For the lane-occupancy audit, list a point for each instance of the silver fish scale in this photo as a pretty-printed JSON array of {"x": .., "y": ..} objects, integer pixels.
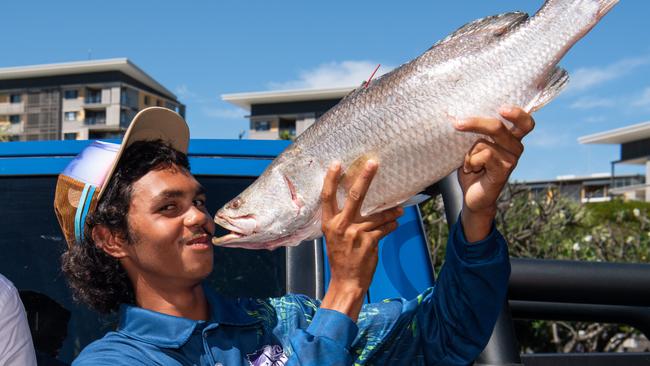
[{"x": 405, "y": 118}]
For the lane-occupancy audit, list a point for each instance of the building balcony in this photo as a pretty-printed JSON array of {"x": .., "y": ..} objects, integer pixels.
[
  {"x": 95, "y": 106},
  {"x": 71, "y": 105},
  {"x": 263, "y": 135},
  {"x": 94, "y": 121},
  {"x": 73, "y": 125},
  {"x": 93, "y": 99},
  {"x": 596, "y": 199},
  {"x": 11, "y": 128},
  {"x": 638, "y": 192},
  {"x": 12, "y": 108}
]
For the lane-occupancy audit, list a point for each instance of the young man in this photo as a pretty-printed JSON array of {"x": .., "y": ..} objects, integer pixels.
[{"x": 139, "y": 242}]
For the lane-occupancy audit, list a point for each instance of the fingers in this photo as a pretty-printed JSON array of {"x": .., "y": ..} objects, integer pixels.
[
  {"x": 381, "y": 218},
  {"x": 382, "y": 231},
  {"x": 489, "y": 156},
  {"x": 328, "y": 193},
  {"x": 358, "y": 191},
  {"x": 522, "y": 122},
  {"x": 495, "y": 129}
]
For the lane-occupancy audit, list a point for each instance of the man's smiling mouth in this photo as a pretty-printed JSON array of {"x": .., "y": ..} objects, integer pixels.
[{"x": 199, "y": 242}]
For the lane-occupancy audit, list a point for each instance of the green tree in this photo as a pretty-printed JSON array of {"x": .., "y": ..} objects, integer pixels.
[
  {"x": 4, "y": 136},
  {"x": 287, "y": 135},
  {"x": 550, "y": 226}
]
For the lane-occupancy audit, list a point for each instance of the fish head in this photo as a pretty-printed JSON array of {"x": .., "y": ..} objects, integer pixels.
[{"x": 270, "y": 213}]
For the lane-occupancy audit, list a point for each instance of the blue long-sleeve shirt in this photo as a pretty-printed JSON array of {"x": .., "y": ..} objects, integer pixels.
[{"x": 448, "y": 324}]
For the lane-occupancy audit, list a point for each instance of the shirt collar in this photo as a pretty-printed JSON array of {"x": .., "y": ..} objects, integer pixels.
[{"x": 171, "y": 331}]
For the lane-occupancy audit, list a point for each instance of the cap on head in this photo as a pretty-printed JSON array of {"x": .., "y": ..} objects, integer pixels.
[{"x": 83, "y": 182}]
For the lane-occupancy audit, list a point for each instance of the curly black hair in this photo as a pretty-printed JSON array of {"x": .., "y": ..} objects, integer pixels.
[{"x": 96, "y": 278}]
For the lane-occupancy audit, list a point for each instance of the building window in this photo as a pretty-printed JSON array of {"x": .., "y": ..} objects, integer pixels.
[
  {"x": 262, "y": 125},
  {"x": 126, "y": 116},
  {"x": 14, "y": 118},
  {"x": 287, "y": 128},
  {"x": 159, "y": 103},
  {"x": 146, "y": 100},
  {"x": 93, "y": 96},
  {"x": 70, "y": 116},
  {"x": 172, "y": 106},
  {"x": 95, "y": 118},
  {"x": 123, "y": 118},
  {"x": 71, "y": 94},
  {"x": 595, "y": 191},
  {"x": 94, "y": 135},
  {"x": 15, "y": 98},
  {"x": 70, "y": 136},
  {"x": 129, "y": 97}
]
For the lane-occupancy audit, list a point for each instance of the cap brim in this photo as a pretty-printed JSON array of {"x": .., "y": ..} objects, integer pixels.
[{"x": 154, "y": 123}]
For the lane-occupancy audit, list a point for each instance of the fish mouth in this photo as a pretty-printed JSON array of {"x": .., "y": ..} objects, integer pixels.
[
  {"x": 243, "y": 235},
  {"x": 240, "y": 227},
  {"x": 232, "y": 236},
  {"x": 236, "y": 240}
]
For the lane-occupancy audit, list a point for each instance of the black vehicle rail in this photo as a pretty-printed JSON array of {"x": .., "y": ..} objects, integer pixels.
[{"x": 562, "y": 290}]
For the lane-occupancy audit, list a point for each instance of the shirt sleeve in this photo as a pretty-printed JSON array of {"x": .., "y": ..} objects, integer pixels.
[
  {"x": 326, "y": 341},
  {"x": 448, "y": 324},
  {"x": 16, "y": 347}
]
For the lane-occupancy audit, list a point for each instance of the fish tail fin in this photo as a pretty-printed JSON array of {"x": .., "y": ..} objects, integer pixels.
[
  {"x": 550, "y": 87},
  {"x": 605, "y": 7}
]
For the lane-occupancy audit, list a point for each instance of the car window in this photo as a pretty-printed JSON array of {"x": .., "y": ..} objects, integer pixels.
[{"x": 242, "y": 272}]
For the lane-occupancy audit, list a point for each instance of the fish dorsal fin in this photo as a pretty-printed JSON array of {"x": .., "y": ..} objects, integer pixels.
[
  {"x": 355, "y": 91},
  {"x": 495, "y": 25},
  {"x": 550, "y": 86},
  {"x": 485, "y": 30}
]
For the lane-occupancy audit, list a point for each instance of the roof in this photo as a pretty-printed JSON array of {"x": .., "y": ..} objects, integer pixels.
[
  {"x": 577, "y": 178},
  {"x": 245, "y": 100},
  {"x": 84, "y": 67},
  {"x": 621, "y": 135}
]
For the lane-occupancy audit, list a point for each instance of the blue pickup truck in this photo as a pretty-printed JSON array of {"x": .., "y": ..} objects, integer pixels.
[{"x": 31, "y": 244}]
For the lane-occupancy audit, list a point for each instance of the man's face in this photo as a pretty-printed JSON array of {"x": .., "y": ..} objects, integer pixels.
[{"x": 170, "y": 228}]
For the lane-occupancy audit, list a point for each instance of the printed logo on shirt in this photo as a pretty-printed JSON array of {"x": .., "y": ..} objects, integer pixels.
[{"x": 268, "y": 356}]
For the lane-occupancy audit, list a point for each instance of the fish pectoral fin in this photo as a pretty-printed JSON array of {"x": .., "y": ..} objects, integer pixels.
[
  {"x": 415, "y": 200},
  {"x": 549, "y": 88},
  {"x": 352, "y": 172}
]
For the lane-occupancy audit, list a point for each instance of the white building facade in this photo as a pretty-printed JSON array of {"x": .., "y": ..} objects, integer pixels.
[
  {"x": 285, "y": 114},
  {"x": 634, "y": 141},
  {"x": 77, "y": 100}
]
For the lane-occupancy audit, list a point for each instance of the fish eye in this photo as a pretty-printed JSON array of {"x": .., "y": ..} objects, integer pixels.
[{"x": 236, "y": 203}]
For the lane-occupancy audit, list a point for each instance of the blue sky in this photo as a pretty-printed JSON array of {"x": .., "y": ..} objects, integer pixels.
[{"x": 202, "y": 49}]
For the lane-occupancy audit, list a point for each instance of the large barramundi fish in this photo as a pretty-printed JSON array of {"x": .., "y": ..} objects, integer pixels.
[{"x": 404, "y": 120}]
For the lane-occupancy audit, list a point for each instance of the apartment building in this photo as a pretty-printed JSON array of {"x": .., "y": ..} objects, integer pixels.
[
  {"x": 634, "y": 147},
  {"x": 77, "y": 100},
  {"x": 285, "y": 114},
  {"x": 599, "y": 187}
]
